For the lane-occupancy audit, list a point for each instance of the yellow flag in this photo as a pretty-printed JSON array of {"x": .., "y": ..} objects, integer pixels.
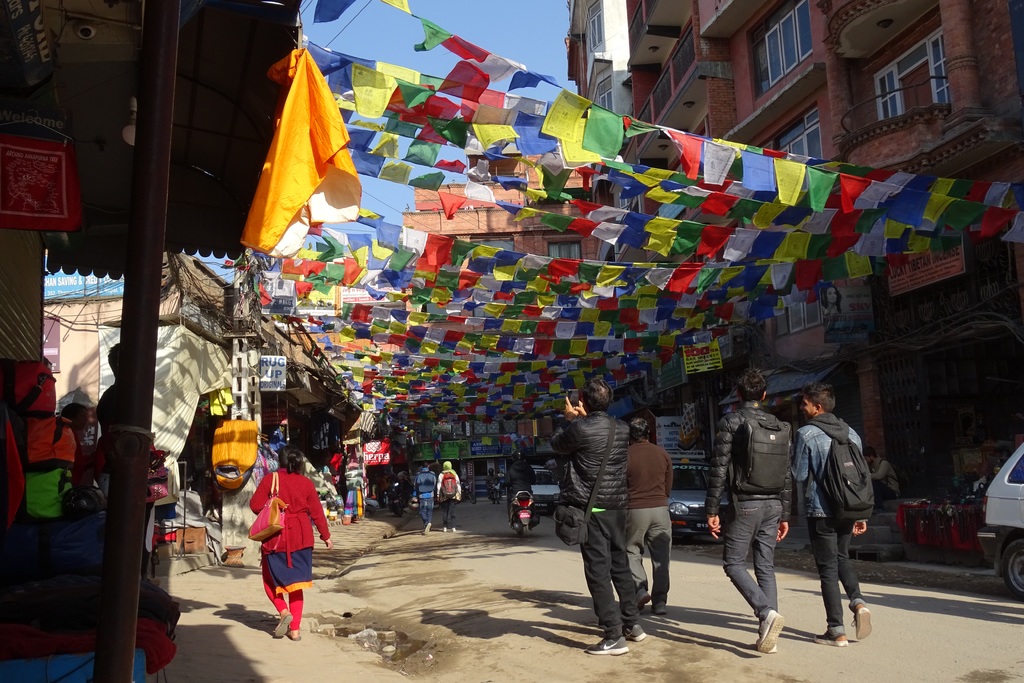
[
  {"x": 418, "y": 318},
  {"x": 401, "y": 72},
  {"x": 428, "y": 346},
  {"x": 794, "y": 246},
  {"x": 505, "y": 273},
  {"x": 894, "y": 230},
  {"x": 488, "y": 133},
  {"x": 935, "y": 206},
  {"x": 572, "y": 148},
  {"x": 484, "y": 251},
  {"x": 767, "y": 213},
  {"x": 789, "y": 176},
  {"x": 602, "y": 328},
  {"x": 736, "y": 145},
  {"x": 347, "y": 334},
  {"x": 503, "y": 379},
  {"x": 729, "y": 273},
  {"x": 663, "y": 234},
  {"x": 489, "y": 341},
  {"x": 519, "y": 391},
  {"x": 400, "y": 4},
  {"x": 564, "y": 117},
  {"x": 495, "y": 310},
  {"x": 373, "y": 91},
  {"x": 577, "y": 347},
  {"x": 661, "y": 195},
  {"x": 918, "y": 244},
  {"x": 857, "y": 265},
  {"x": 511, "y": 325},
  {"x": 387, "y": 146},
  {"x": 607, "y": 276}
]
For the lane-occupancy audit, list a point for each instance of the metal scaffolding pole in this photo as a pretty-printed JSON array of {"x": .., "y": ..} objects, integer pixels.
[{"x": 128, "y": 463}]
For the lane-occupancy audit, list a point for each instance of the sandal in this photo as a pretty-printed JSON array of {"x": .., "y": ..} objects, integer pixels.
[
  {"x": 294, "y": 635},
  {"x": 283, "y": 624}
]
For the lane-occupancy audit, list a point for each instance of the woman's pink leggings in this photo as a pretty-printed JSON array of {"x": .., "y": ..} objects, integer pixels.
[{"x": 294, "y": 604}]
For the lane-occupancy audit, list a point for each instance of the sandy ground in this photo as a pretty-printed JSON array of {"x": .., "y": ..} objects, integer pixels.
[{"x": 483, "y": 605}]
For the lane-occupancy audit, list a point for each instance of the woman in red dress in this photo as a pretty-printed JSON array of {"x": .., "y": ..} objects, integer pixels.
[{"x": 288, "y": 556}]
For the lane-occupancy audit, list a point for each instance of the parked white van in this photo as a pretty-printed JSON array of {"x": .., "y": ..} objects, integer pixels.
[{"x": 1003, "y": 536}]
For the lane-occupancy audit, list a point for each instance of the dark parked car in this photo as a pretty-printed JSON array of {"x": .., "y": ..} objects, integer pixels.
[{"x": 686, "y": 502}]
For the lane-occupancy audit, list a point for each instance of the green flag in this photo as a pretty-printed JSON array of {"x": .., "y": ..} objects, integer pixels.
[
  {"x": 422, "y": 152},
  {"x": 819, "y": 187},
  {"x": 429, "y": 181},
  {"x": 433, "y": 36},
  {"x": 413, "y": 95},
  {"x": 603, "y": 133}
]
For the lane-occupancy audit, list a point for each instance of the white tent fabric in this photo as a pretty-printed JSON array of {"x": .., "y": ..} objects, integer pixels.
[{"x": 187, "y": 366}]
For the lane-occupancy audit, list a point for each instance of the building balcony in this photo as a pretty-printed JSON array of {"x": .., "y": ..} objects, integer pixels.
[
  {"x": 721, "y": 19},
  {"x": 924, "y": 138},
  {"x": 654, "y": 27},
  {"x": 798, "y": 86},
  {"x": 856, "y": 28}
]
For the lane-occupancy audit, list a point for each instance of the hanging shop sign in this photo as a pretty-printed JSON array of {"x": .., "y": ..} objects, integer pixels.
[
  {"x": 280, "y": 296},
  {"x": 479, "y": 448},
  {"x": 25, "y": 55},
  {"x": 39, "y": 188},
  {"x": 273, "y": 373},
  {"x": 672, "y": 374},
  {"x": 377, "y": 452},
  {"x": 847, "y": 314},
  {"x": 926, "y": 269},
  {"x": 702, "y": 357}
]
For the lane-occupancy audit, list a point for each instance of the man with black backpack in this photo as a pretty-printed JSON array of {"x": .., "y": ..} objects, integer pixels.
[
  {"x": 751, "y": 459},
  {"x": 828, "y": 460}
]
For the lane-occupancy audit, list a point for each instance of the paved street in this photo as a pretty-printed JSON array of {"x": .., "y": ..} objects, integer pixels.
[{"x": 486, "y": 606}]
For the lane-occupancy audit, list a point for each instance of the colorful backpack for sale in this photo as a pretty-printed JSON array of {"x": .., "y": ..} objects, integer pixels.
[
  {"x": 234, "y": 453},
  {"x": 29, "y": 388}
]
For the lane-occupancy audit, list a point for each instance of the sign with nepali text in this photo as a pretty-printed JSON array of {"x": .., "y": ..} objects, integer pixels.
[{"x": 702, "y": 357}]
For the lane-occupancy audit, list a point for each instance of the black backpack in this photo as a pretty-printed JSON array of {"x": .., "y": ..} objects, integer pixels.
[
  {"x": 846, "y": 484},
  {"x": 762, "y": 467}
]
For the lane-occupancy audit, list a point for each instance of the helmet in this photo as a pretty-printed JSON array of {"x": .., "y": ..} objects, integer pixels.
[{"x": 83, "y": 501}]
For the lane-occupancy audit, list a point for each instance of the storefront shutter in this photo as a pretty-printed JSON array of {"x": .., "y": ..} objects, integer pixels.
[
  {"x": 848, "y": 406},
  {"x": 21, "y": 291}
]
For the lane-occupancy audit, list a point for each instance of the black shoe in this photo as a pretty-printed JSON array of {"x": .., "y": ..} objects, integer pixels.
[
  {"x": 634, "y": 634},
  {"x": 659, "y": 609},
  {"x": 609, "y": 646},
  {"x": 827, "y": 638}
]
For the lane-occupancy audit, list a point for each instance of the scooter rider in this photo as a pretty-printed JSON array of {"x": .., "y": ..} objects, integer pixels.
[{"x": 521, "y": 477}]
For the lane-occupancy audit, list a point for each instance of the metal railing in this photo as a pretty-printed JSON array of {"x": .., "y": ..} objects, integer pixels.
[
  {"x": 868, "y": 111},
  {"x": 683, "y": 58},
  {"x": 637, "y": 26}
]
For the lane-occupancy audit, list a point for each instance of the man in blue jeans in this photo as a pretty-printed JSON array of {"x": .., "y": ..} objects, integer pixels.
[
  {"x": 751, "y": 461},
  {"x": 830, "y": 540},
  {"x": 424, "y": 485}
]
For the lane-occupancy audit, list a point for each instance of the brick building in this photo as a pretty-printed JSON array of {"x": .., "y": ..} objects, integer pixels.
[{"x": 927, "y": 87}]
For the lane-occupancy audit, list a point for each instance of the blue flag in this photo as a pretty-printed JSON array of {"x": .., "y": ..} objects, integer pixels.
[{"x": 329, "y": 10}]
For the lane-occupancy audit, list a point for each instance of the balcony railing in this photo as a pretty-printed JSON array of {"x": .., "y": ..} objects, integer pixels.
[
  {"x": 637, "y": 26},
  {"x": 868, "y": 112},
  {"x": 683, "y": 58}
]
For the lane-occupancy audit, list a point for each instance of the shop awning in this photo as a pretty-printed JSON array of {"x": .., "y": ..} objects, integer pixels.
[
  {"x": 785, "y": 382},
  {"x": 223, "y": 124}
]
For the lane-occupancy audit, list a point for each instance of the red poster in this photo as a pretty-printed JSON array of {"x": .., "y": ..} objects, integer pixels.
[
  {"x": 39, "y": 185},
  {"x": 377, "y": 452}
]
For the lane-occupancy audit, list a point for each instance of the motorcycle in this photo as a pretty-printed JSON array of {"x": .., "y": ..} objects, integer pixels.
[
  {"x": 493, "y": 492},
  {"x": 468, "y": 492},
  {"x": 398, "y": 498},
  {"x": 521, "y": 516}
]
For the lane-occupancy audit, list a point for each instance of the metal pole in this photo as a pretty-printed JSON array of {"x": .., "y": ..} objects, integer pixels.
[{"x": 122, "y": 553}]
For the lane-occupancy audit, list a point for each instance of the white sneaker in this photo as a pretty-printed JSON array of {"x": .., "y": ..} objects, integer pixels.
[
  {"x": 768, "y": 632},
  {"x": 446, "y": 529},
  {"x": 453, "y": 530},
  {"x": 426, "y": 529}
]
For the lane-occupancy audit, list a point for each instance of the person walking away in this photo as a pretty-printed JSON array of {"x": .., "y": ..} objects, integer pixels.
[
  {"x": 521, "y": 477},
  {"x": 884, "y": 480},
  {"x": 587, "y": 435},
  {"x": 449, "y": 492},
  {"x": 648, "y": 525},
  {"x": 424, "y": 485},
  {"x": 493, "y": 485},
  {"x": 290, "y": 571},
  {"x": 354, "y": 484},
  {"x": 751, "y": 461},
  {"x": 830, "y": 539}
]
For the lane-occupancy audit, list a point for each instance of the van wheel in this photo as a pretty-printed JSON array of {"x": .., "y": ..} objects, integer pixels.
[{"x": 1013, "y": 568}]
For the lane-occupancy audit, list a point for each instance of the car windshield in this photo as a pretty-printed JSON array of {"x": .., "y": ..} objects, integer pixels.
[
  {"x": 688, "y": 478},
  {"x": 544, "y": 477}
]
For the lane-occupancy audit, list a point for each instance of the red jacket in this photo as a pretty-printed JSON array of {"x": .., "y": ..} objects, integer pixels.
[{"x": 303, "y": 505}]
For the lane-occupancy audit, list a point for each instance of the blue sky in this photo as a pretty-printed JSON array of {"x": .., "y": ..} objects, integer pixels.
[{"x": 531, "y": 32}]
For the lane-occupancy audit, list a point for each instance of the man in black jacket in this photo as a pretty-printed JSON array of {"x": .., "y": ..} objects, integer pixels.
[
  {"x": 751, "y": 459},
  {"x": 521, "y": 477},
  {"x": 585, "y": 440}
]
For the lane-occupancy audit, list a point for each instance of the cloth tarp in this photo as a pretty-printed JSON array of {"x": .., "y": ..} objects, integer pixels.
[{"x": 783, "y": 382}]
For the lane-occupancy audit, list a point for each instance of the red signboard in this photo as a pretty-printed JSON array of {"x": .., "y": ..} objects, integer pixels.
[
  {"x": 38, "y": 185},
  {"x": 377, "y": 452}
]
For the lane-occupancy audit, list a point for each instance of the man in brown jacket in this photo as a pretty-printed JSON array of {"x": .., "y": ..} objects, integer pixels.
[{"x": 649, "y": 476}]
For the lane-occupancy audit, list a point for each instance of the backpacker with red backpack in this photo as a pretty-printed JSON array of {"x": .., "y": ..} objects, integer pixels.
[{"x": 449, "y": 486}]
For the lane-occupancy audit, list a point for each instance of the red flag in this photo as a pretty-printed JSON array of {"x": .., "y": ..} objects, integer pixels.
[
  {"x": 455, "y": 166},
  {"x": 563, "y": 267},
  {"x": 451, "y": 203},
  {"x": 807, "y": 274},
  {"x": 465, "y": 81},
  {"x": 465, "y": 49},
  {"x": 852, "y": 187},
  {"x": 995, "y": 219},
  {"x": 713, "y": 238},
  {"x": 690, "y": 147},
  {"x": 682, "y": 277}
]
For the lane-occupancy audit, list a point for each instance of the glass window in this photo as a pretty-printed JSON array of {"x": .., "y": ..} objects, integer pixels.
[
  {"x": 804, "y": 137},
  {"x": 690, "y": 478},
  {"x": 595, "y": 21},
  {"x": 604, "y": 93},
  {"x": 782, "y": 42},
  {"x": 916, "y": 78},
  {"x": 564, "y": 250},
  {"x": 798, "y": 317}
]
